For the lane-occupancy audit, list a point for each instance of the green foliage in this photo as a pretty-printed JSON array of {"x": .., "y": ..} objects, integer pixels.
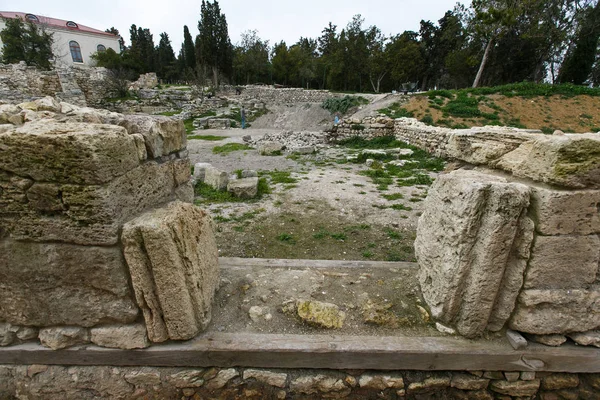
[
  {"x": 230, "y": 147},
  {"x": 26, "y": 41},
  {"x": 287, "y": 238},
  {"x": 280, "y": 177},
  {"x": 396, "y": 111},
  {"x": 207, "y": 137},
  {"x": 427, "y": 119},
  {"x": 343, "y": 104},
  {"x": 213, "y": 46},
  {"x": 357, "y": 127},
  {"x": 463, "y": 106},
  {"x": 209, "y": 195}
]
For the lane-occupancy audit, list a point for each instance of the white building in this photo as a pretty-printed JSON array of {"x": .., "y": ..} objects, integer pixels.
[{"x": 73, "y": 42}]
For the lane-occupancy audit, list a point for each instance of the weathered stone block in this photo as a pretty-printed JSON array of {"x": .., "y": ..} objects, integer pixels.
[
  {"x": 268, "y": 148},
  {"x": 215, "y": 178},
  {"x": 45, "y": 284},
  {"x": 557, "y": 311},
  {"x": 120, "y": 336},
  {"x": 562, "y": 212},
  {"x": 562, "y": 262},
  {"x": 472, "y": 246},
  {"x": 89, "y": 215},
  {"x": 48, "y": 151},
  {"x": 516, "y": 389},
  {"x": 200, "y": 171},
  {"x": 571, "y": 161},
  {"x": 62, "y": 337},
  {"x": 245, "y": 188},
  {"x": 480, "y": 147},
  {"x": 163, "y": 135},
  {"x": 172, "y": 257}
]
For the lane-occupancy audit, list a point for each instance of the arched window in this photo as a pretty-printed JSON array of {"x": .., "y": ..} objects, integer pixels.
[
  {"x": 101, "y": 48},
  {"x": 72, "y": 24},
  {"x": 31, "y": 17},
  {"x": 75, "y": 51}
]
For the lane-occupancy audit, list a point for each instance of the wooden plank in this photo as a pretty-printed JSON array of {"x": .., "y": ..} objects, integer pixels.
[
  {"x": 228, "y": 262},
  {"x": 320, "y": 351}
]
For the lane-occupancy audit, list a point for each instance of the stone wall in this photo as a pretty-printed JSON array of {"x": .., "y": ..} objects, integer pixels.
[
  {"x": 58, "y": 382},
  {"x": 76, "y": 85},
  {"x": 95, "y": 241},
  {"x": 271, "y": 95},
  {"x": 512, "y": 238}
]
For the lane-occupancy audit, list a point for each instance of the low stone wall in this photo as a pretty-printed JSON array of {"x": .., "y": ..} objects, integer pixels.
[
  {"x": 58, "y": 382},
  {"x": 271, "y": 95},
  {"x": 369, "y": 128},
  {"x": 19, "y": 83},
  {"x": 514, "y": 242},
  {"x": 95, "y": 243}
]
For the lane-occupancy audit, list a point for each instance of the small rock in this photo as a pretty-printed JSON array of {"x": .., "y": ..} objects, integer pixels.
[
  {"x": 27, "y": 333},
  {"x": 444, "y": 329},
  {"x": 512, "y": 376},
  {"x": 323, "y": 315},
  {"x": 381, "y": 382},
  {"x": 468, "y": 382},
  {"x": 516, "y": 340},
  {"x": 527, "y": 375},
  {"x": 558, "y": 132},
  {"x": 58, "y": 338},
  {"x": 591, "y": 338},
  {"x": 428, "y": 384},
  {"x": 256, "y": 312},
  {"x": 493, "y": 375},
  {"x": 516, "y": 389},
  {"x": 268, "y": 377},
  {"x": 268, "y": 148},
  {"x": 247, "y": 138},
  {"x": 548, "y": 340},
  {"x": 120, "y": 336},
  {"x": 143, "y": 377},
  {"x": 560, "y": 381},
  {"x": 7, "y": 334},
  {"x": 223, "y": 376},
  {"x": 249, "y": 173},
  {"x": 215, "y": 178},
  {"x": 187, "y": 379},
  {"x": 188, "y": 392},
  {"x": 369, "y": 162}
]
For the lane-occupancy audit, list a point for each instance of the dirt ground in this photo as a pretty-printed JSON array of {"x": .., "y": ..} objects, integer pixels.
[
  {"x": 578, "y": 114},
  {"x": 328, "y": 212}
]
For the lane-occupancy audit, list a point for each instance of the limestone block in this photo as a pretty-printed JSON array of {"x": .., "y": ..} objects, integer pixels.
[
  {"x": 562, "y": 262},
  {"x": 563, "y": 212},
  {"x": 200, "y": 171},
  {"x": 140, "y": 144},
  {"x": 48, "y": 151},
  {"x": 163, "y": 135},
  {"x": 591, "y": 338},
  {"x": 267, "y": 377},
  {"x": 90, "y": 215},
  {"x": 245, "y": 188},
  {"x": 481, "y": 147},
  {"x": 472, "y": 246},
  {"x": 267, "y": 148},
  {"x": 8, "y": 334},
  {"x": 45, "y": 284},
  {"x": 48, "y": 104},
  {"x": 172, "y": 257},
  {"x": 120, "y": 336},
  {"x": 557, "y": 311},
  {"x": 62, "y": 337},
  {"x": 215, "y": 178},
  {"x": 571, "y": 161},
  {"x": 549, "y": 340}
]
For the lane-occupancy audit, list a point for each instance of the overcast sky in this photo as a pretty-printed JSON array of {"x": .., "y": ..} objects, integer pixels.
[{"x": 274, "y": 20}]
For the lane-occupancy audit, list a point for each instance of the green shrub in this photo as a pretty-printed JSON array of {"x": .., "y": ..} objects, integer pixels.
[
  {"x": 343, "y": 104},
  {"x": 358, "y": 127},
  {"x": 230, "y": 147}
]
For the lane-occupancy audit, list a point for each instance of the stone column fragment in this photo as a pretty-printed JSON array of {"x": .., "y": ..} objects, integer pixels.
[{"x": 172, "y": 257}]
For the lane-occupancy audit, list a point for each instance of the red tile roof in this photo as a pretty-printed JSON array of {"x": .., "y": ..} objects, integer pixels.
[{"x": 55, "y": 23}]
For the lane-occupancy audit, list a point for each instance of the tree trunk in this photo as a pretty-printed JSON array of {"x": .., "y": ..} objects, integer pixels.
[{"x": 486, "y": 54}]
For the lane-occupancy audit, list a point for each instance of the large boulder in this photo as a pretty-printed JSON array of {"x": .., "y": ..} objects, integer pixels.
[
  {"x": 173, "y": 260},
  {"x": 163, "y": 135},
  {"x": 472, "y": 246},
  {"x": 244, "y": 188}
]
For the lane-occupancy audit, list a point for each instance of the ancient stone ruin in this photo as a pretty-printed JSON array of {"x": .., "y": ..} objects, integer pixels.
[{"x": 99, "y": 241}]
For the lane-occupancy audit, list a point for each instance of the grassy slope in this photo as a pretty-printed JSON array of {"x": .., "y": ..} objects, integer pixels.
[{"x": 525, "y": 105}]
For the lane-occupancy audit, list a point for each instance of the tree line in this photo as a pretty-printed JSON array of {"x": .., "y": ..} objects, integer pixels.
[{"x": 489, "y": 42}]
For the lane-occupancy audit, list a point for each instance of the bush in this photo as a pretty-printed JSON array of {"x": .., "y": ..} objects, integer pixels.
[{"x": 343, "y": 104}]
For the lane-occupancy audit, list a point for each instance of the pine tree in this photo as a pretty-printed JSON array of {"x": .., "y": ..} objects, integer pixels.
[
  {"x": 213, "y": 44},
  {"x": 26, "y": 42}
]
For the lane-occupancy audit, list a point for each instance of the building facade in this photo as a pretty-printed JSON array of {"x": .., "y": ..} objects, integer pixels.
[{"x": 73, "y": 43}]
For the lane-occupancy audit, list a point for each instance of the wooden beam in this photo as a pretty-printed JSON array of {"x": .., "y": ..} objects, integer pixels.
[
  {"x": 322, "y": 351},
  {"x": 228, "y": 262}
]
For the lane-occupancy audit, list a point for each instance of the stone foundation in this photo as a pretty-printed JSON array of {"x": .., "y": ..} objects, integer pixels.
[
  {"x": 58, "y": 382},
  {"x": 93, "y": 208}
]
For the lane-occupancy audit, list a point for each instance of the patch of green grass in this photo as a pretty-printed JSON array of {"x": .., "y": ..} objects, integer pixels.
[
  {"x": 396, "y": 111},
  {"x": 212, "y": 138},
  {"x": 170, "y": 113},
  {"x": 210, "y": 195},
  {"x": 280, "y": 177},
  {"x": 393, "y": 234},
  {"x": 343, "y": 104},
  {"x": 367, "y": 254},
  {"x": 427, "y": 119},
  {"x": 400, "y": 207},
  {"x": 356, "y": 228},
  {"x": 286, "y": 238},
  {"x": 391, "y": 197},
  {"x": 189, "y": 125},
  {"x": 230, "y": 147},
  {"x": 357, "y": 127}
]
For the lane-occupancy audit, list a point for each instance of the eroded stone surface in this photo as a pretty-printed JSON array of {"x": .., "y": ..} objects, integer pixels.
[
  {"x": 557, "y": 311},
  {"x": 323, "y": 315},
  {"x": 62, "y": 337},
  {"x": 245, "y": 188},
  {"x": 562, "y": 262},
  {"x": 120, "y": 336},
  {"x": 473, "y": 235},
  {"x": 46, "y": 284},
  {"x": 172, "y": 257},
  {"x": 162, "y": 135},
  {"x": 69, "y": 152}
]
